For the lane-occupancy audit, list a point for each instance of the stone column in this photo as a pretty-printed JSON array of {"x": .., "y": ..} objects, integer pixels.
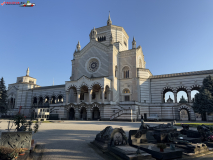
[
  {"x": 189, "y": 96},
  {"x": 67, "y": 96},
  {"x": 78, "y": 96},
  {"x": 102, "y": 92},
  {"x": 88, "y": 113},
  {"x": 77, "y": 114},
  {"x": 175, "y": 96},
  {"x": 90, "y": 95},
  {"x": 162, "y": 100}
]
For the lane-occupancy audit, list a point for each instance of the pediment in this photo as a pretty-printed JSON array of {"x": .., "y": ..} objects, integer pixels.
[
  {"x": 82, "y": 78},
  {"x": 13, "y": 88},
  {"x": 90, "y": 45}
]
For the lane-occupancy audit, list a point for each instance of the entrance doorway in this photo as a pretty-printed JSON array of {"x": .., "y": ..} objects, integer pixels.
[
  {"x": 72, "y": 114},
  {"x": 184, "y": 115},
  {"x": 145, "y": 116},
  {"x": 95, "y": 113},
  {"x": 83, "y": 114}
]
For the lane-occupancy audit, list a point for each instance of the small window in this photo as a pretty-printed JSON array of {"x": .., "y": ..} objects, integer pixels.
[
  {"x": 116, "y": 71},
  {"x": 125, "y": 43},
  {"x": 144, "y": 101},
  {"x": 126, "y": 98},
  {"x": 103, "y": 38},
  {"x": 126, "y": 91}
]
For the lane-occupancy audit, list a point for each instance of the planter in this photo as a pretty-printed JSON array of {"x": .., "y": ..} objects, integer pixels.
[{"x": 23, "y": 139}]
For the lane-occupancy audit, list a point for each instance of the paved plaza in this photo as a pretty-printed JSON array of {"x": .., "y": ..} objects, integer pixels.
[{"x": 71, "y": 139}]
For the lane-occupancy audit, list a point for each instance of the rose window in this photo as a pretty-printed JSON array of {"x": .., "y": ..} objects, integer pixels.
[{"x": 93, "y": 65}]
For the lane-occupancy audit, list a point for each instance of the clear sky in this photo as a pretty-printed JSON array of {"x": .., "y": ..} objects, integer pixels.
[{"x": 175, "y": 35}]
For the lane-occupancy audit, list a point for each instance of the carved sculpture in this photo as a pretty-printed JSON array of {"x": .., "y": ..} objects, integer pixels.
[
  {"x": 185, "y": 129},
  {"x": 16, "y": 139},
  {"x": 112, "y": 137},
  {"x": 205, "y": 133}
]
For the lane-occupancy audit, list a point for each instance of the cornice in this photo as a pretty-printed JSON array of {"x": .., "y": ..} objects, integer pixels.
[
  {"x": 48, "y": 87},
  {"x": 146, "y": 70},
  {"x": 183, "y": 74},
  {"x": 101, "y": 29},
  {"x": 127, "y": 53}
]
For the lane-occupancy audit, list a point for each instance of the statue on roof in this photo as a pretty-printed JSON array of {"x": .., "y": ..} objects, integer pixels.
[
  {"x": 109, "y": 22},
  {"x": 28, "y": 71}
]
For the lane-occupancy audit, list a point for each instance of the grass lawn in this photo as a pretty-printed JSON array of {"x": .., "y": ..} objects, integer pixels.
[
  {"x": 195, "y": 124},
  {"x": 43, "y": 121}
]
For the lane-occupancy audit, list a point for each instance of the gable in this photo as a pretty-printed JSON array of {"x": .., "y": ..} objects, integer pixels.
[{"x": 93, "y": 53}]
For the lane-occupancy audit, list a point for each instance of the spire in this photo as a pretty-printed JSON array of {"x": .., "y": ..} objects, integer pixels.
[
  {"x": 133, "y": 43},
  {"x": 78, "y": 47},
  {"x": 53, "y": 81},
  {"x": 28, "y": 72},
  {"x": 109, "y": 22}
]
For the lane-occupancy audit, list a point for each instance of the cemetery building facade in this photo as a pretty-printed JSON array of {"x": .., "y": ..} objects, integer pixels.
[{"x": 108, "y": 81}]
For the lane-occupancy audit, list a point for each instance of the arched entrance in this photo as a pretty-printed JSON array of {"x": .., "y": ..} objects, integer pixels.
[
  {"x": 95, "y": 113},
  {"x": 72, "y": 114},
  {"x": 184, "y": 113},
  {"x": 83, "y": 113}
]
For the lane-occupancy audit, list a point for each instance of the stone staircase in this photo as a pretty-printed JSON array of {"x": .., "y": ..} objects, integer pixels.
[{"x": 122, "y": 114}]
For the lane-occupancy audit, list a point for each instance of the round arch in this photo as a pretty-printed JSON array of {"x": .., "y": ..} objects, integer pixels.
[
  {"x": 164, "y": 91},
  {"x": 71, "y": 113},
  {"x": 184, "y": 89},
  {"x": 186, "y": 112}
]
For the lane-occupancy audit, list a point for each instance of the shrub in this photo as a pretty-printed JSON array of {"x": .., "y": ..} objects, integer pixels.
[{"x": 161, "y": 145}]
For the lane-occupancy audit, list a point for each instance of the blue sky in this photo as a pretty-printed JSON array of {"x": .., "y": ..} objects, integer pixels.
[{"x": 176, "y": 35}]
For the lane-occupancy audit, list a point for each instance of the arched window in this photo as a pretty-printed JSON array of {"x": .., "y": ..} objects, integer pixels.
[
  {"x": 126, "y": 90},
  {"x": 60, "y": 99},
  {"x": 103, "y": 38},
  {"x": 116, "y": 71},
  {"x": 35, "y": 101},
  {"x": 125, "y": 72}
]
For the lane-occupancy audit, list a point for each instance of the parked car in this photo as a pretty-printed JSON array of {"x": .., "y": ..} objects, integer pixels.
[{"x": 153, "y": 117}]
